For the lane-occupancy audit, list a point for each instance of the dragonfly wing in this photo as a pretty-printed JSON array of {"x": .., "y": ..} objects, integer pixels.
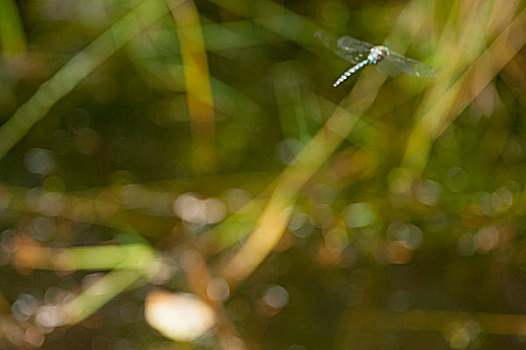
[
  {"x": 395, "y": 64},
  {"x": 348, "y": 48},
  {"x": 353, "y": 48},
  {"x": 351, "y": 44},
  {"x": 389, "y": 67}
]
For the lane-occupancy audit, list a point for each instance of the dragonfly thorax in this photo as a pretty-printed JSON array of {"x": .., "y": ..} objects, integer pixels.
[{"x": 378, "y": 53}]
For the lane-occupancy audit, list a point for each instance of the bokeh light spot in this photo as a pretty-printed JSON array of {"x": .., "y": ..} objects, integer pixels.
[
  {"x": 40, "y": 161},
  {"x": 179, "y": 316},
  {"x": 276, "y": 297},
  {"x": 360, "y": 215},
  {"x": 218, "y": 290}
]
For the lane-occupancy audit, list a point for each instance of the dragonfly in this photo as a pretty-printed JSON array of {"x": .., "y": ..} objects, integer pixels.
[{"x": 362, "y": 54}]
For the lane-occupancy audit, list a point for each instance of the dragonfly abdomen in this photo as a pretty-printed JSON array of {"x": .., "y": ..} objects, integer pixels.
[{"x": 350, "y": 72}]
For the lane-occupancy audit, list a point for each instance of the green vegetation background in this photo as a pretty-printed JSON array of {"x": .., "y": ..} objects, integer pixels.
[{"x": 404, "y": 219}]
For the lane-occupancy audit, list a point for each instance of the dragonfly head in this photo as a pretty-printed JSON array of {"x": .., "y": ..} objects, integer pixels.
[{"x": 378, "y": 53}]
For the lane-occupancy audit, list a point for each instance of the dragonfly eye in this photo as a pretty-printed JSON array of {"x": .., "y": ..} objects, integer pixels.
[
  {"x": 378, "y": 53},
  {"x": 383, "y": 51}
]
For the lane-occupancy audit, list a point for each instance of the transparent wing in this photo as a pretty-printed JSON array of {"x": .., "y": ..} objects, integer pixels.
[
  {"x": 350, "y": 44},
  {"x": 394, "y": 64},
  {"x": 348, "y": 48}
]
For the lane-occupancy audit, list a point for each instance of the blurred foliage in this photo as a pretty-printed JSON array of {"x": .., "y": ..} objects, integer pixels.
[{"x": 182, "y": 174}]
